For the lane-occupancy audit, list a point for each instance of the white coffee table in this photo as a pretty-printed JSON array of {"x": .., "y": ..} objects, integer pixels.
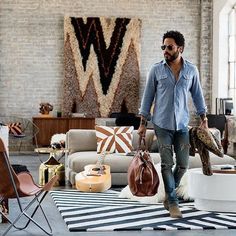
[{"x": 212, "y": 193}]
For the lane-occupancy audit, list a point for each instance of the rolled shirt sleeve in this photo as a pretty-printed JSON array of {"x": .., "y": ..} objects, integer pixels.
[
  {"x": 197, "y": 94},
  {"x": 148, "y": 95}
]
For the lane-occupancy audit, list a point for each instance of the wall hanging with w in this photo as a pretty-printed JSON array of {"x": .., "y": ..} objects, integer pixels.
[{"x": 102, "y": 62}]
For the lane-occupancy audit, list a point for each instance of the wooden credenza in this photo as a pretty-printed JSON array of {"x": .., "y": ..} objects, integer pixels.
[{"x": 49, "y": 126}]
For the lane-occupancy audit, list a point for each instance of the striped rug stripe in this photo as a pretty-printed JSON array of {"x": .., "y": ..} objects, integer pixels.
[
  {"x": 107, "y": 212},
  {"x": 202, "y": 222}
]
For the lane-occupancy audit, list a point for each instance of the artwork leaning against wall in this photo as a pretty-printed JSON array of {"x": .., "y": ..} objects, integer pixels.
[{"x": 102, "y": 65}]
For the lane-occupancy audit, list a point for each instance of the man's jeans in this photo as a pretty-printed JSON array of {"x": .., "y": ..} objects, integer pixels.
[{"x": 167, "y": 140}]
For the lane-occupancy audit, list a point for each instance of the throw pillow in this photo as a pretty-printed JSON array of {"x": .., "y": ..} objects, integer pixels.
[
  {"x": 105, "y": 139},
  {"x": 15, "y": 128},
  {"x": 123, "y": 139},
  {"x": 114, "y": 139},
  {"x": 58, "y": 141}
]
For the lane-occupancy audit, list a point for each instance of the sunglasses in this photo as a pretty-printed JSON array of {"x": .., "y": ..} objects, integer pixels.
[{"x": 169, "y": 47}]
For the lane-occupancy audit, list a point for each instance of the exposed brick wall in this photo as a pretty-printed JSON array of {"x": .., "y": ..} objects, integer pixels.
[
  {"x": 31, "y": 43},
  {"x": 206, "y": 50}
]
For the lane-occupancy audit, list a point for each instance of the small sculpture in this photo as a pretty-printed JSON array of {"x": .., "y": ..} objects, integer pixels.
[{"x": 45, "y": 108}]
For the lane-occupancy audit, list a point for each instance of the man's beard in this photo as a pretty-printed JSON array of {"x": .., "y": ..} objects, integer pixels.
[{"x": 171, "y": 58}]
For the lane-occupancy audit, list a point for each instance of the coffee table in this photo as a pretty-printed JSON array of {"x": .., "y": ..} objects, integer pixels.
[{"x": 213, "y": 193}]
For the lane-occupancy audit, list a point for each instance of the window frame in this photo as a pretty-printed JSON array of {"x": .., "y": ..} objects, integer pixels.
[{"x": 232, "y": 56}]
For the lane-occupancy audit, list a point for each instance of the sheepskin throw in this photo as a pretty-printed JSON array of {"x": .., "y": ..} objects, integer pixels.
[{"x": 102, "y": 61}]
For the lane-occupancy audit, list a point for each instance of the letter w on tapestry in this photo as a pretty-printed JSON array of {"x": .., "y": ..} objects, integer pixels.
[{"x": 102, "y": 65}]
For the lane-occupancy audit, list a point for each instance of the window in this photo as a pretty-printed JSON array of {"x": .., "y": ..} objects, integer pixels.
[{"x": 232, "y": 56}]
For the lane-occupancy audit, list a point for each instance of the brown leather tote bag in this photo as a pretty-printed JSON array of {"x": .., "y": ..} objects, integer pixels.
[{"x": 143, "y": 179}]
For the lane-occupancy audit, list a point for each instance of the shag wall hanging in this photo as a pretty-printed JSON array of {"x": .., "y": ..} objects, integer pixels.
[{"x": 102, "y": 60}]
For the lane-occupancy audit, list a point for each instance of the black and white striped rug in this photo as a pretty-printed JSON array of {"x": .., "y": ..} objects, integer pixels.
[{"x": 107, "y": 212}]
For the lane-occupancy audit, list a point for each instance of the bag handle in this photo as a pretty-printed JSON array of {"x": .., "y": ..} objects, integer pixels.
[{"x": 142, "y": 139}]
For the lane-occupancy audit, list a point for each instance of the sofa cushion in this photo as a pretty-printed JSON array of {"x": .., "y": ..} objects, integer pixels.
[
  {"x": 114, "y": 139},
  {"x": 195, "y": 161},
  {"x": 78, "y": 140},
  {"x": 119, "y": 163}
]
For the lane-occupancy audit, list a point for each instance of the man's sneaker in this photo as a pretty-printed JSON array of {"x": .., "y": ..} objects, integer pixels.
[{"x": 175, "y": 211}]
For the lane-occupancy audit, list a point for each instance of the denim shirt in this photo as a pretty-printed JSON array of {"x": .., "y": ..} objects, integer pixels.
[{"x": 170, "y": 96}]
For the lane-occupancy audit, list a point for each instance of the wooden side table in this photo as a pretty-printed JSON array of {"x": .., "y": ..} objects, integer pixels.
[
  {"x": 48, "y": 126},
  {"x": 58, "y": 153},
  {"x": 43, "y": 150}
]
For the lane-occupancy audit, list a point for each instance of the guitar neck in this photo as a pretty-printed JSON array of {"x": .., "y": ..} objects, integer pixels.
[{"x": 100, "y": 161}]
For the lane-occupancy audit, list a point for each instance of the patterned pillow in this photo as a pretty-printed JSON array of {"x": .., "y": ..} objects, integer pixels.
[
  {"x": 15, "y": 128},
  {"x": 114, "y": 139},
  {"x": 123, "y": 139},
  {"x": 105, "y": 139}
]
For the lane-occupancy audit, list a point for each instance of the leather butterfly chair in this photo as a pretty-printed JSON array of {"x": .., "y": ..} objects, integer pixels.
[{"x": 18, "y": 186}]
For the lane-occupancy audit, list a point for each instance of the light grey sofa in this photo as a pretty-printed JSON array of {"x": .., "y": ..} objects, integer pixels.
[
  {"x": 82, "y": 150},
  {"x": 82, "y": 147}
]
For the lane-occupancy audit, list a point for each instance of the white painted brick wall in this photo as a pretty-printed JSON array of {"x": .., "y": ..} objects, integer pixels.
[{"x": 31, "y": 43}]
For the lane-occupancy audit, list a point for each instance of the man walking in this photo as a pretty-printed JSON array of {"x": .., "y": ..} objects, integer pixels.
[{"x": 168, "y": 85}]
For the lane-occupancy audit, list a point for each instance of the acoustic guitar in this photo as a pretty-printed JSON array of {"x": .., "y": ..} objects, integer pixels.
[{"x": 94, "y": 178}]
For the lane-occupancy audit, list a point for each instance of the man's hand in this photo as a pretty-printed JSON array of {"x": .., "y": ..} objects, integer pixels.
[
  {"x": 142, "y": 130},
  {"x": 142, "y": 127},
  {"x": 204, "y": 123}
]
